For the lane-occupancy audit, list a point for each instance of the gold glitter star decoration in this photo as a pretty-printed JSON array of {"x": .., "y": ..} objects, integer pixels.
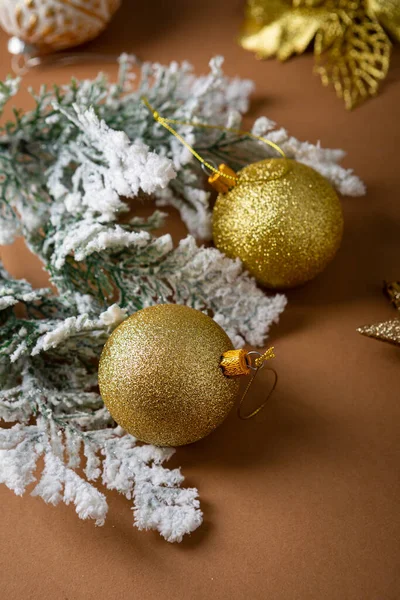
[
  {"x": 388, "y": 331},
  {"x": 351, "y": 39}
]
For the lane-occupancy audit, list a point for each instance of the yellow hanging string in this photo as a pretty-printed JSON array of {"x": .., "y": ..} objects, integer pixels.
[{"x": 168, "y": 122}]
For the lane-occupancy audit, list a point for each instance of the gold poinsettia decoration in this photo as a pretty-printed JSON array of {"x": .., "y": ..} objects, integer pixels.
[{"x": 351, "y": 39}]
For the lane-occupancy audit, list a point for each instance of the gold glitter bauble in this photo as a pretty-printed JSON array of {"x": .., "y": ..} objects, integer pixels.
[
  {"x": 282, "y": 219},
  {"x": 56, "y": 24},
  {"x": 160, "y": 378}
]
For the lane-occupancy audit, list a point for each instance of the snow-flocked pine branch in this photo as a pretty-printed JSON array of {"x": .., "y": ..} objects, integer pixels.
[{"x": 68, "y": 170}]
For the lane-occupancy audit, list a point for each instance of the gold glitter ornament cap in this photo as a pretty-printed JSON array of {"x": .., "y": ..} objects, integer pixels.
[{"x": 234, "y": 363}]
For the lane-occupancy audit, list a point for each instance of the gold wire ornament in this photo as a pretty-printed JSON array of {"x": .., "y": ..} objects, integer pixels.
[{"x": 351, "y": 44}]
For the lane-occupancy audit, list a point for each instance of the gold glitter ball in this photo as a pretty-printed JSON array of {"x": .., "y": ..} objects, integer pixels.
[
  {"x": 160, "y": 375},
  {"x": 282, "y": 219},
  {"x": 56, "y": 24}
]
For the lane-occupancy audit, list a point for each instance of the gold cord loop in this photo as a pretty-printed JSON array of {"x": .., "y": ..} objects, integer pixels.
[
  {"x": 226, "y": 173},
  {"x": 259, "y": 408},
  {"x": 235, "y": 363},
  {"x": 258, "y": 365}
]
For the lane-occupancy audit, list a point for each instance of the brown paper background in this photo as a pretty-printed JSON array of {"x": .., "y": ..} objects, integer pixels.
[{"x": 303, "y": 501}]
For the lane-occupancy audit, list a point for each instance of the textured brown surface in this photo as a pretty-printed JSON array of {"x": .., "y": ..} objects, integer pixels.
[{"x": 302, "y": 502}]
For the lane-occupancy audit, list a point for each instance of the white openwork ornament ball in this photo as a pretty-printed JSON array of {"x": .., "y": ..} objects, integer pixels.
[{"x": 51, "y": 25}]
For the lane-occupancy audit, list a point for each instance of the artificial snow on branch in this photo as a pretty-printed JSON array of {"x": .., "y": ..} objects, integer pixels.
[
  {"x": 48, "y": 374},
  {"x": 68, "y": 169}
]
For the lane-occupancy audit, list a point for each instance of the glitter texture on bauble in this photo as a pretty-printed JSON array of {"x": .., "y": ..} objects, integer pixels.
[
  {"x": 282, "y": 219},
  {"x": 160, "y": 375}
]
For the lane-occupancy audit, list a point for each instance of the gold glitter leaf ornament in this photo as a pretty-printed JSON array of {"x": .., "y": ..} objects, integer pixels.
[
  {"x": 352, "y": 47},
  {"x": 282, "y": 219},
  {"x": 387, "y": 12},
  {"x": 51, "y": 25},
  {"x": 160, "y": 375},
  {"x": 352, "y": 52}
]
